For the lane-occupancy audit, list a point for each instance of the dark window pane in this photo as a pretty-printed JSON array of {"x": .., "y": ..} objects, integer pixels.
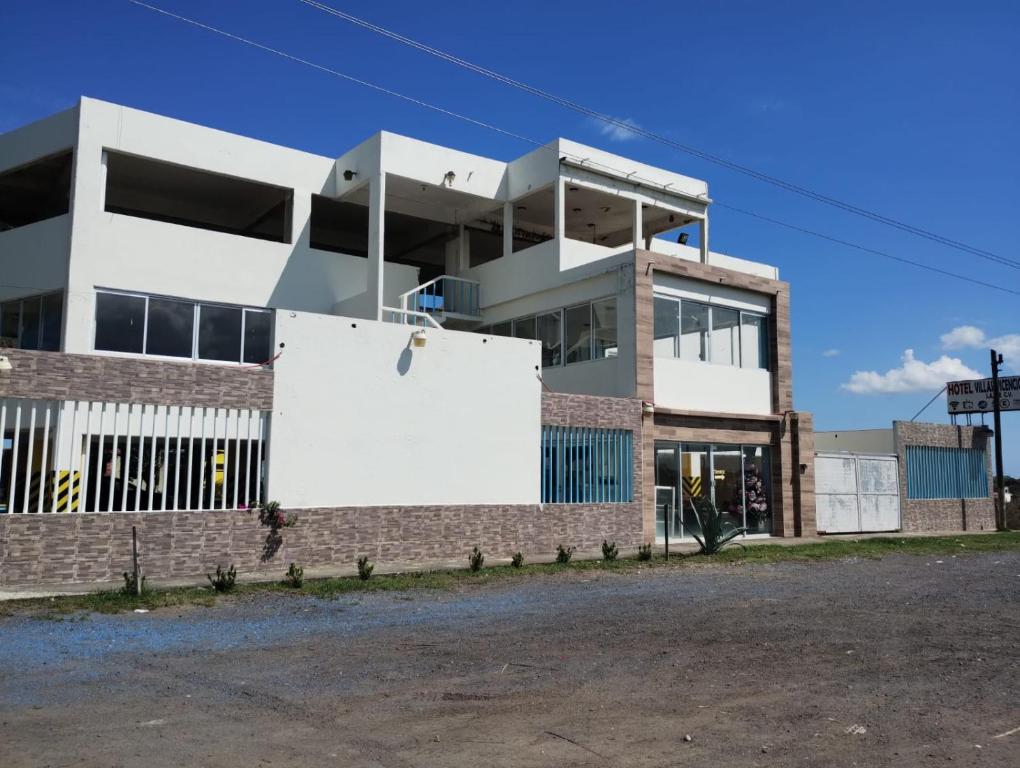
[
  {"x": 725, "y": 336},
  {"x": 502, "y": 329},
  {"x": 549, "y": 333},
  {"x": 604, "y": 332},
  {"x": 578, "y": 335},
  {"x": 120, "y": 322},
  {"x": 525, "y": 328},
  {"x": 219, "y": 333},
  {"x": 31, "y": 316},
  {"x": 52, "y": 321},
  {"x": 10, "y": 319},
  {"x": 693, "y": 331},
  {"x": 171, "y": 328},
  {"x": 258, "y": 329},
  {"x": 666, "y": 326}
]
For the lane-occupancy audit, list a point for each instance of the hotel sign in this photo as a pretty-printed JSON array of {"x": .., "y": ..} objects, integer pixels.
[{"x": 975, "y": 396}]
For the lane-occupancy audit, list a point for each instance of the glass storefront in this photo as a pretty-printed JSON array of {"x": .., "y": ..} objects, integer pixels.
[{"x": 735, "y": 478}]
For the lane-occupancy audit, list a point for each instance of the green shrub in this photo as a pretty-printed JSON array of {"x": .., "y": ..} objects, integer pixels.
[
  {"x": 714, "y": 534},
  {"x": 517, "y": 561},
  {"x": 476, "y": 559},
  {"x": 365, "y": 568},
  {"x": 224, "y": 580},
  {"x": 131, "y": 586},
  {"x": 609, "y": 551},
  {"x": 644, "y": 552},
  {"x": 563, "y": 554},
  {"x": 296, "y": 576}
]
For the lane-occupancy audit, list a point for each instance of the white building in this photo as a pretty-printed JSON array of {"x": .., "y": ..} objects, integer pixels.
[{"x": 134, "y": 239}]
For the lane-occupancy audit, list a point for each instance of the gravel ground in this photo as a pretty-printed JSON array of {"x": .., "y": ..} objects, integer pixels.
[{"x": 903, "y": 661}]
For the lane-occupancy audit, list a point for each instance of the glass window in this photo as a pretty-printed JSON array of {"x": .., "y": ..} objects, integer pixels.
[
  {"x": 603, "y": 315},
  {"x": 696, "y": 480},
  {"x": 666, "y": 324},
  {"x": 525, "y": 328},
  {"x": 52, "y": 321},
  {"x": 754, "y": 341},
  {"x": 728, "y": 491},
  {"x": 171, "y": 328},
  {"x": 219, "y": 333},
  {"x": 549, "y": 335},
  {"x": 578, "y": 333},
  {"x": 757, "y": 502},
  {"x": 120, "y": 322},
  {"x": 258, "y": 331},
  {"x": 693, "y": 331},
  {"x": 31, "y": 320},
  {"x": 584, "y": 465},
  {"x": 725, "y": 336},
  {"x": 502, "y": 329},
  {"x": 10, "y": 320}
]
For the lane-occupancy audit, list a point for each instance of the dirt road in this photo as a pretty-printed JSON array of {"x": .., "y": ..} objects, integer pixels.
[{"x": 906, "y": 661}]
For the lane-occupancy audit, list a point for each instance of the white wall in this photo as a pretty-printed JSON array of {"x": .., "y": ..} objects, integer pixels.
[
  {"x": 362, "y": 418},
  {"x": 135, "y": 254},
  {"x": 710, "y": 293},
  {"x": 33, "y": 258},
  {"x": 689, "y": 253},
  {"x": 698, "y": 386}
]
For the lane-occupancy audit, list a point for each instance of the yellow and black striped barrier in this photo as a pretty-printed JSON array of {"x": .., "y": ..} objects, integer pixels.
[
  {"x": 64, "y": 483},
  {"x": 692, "y": 487}
]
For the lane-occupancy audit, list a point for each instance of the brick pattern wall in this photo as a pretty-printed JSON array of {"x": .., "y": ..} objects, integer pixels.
[
  {"x": 59, "y": 376},
  {"x": 85, "y": 548},
  {"x": 943, "y": 514}
]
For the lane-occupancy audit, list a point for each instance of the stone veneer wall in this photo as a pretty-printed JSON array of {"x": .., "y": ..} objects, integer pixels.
[
  {"x": 943, "y": 514},
  {"x": 96, "y": 547},
  {"x": 103, "y": 378}
]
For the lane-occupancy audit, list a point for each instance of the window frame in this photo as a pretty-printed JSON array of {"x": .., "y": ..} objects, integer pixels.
[
  {"x": 19, "y": 339},
  {"x": 196, "y": 310},
  {"x": 763, "y": 344}
]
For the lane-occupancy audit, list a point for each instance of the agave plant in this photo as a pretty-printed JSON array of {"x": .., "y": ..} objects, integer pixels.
[{"x": 715, "y": 532}]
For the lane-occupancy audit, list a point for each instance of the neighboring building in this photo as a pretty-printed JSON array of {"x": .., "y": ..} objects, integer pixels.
[
  {"x": 913, "y": 477},
  {"x": 418, "y": 348}
]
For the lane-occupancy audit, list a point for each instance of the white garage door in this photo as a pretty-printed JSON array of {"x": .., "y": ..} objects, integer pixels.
[{"x": 857, "y": 493}]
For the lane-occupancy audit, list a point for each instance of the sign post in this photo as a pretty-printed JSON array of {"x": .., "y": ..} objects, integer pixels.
[{"x": 1000, "y": 488}]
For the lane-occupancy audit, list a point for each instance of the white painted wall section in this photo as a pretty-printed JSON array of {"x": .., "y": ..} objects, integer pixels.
[
  {"x": 696, "y": 386},
  {"x": 361, "y": 418}
]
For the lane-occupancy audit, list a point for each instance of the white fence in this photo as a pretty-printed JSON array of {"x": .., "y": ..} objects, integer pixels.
[
  {"x": 857, "y": 493},
  {"x": 78, "y": 456}
]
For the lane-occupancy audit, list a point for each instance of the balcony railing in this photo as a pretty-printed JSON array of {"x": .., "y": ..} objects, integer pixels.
[{"x": 445, "y": 297}]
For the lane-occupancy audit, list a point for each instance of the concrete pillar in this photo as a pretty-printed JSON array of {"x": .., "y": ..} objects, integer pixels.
[
  {"x": 704, "y": 239},
  {"x": 559, "y": 209},
  {"x": 508, "y": 229},
  {"x": 376, "y": 238},
  {"x": 637, "y": 233}
]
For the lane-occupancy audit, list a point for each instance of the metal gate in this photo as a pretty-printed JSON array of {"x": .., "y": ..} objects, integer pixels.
[{"x": 857, "y": 493}]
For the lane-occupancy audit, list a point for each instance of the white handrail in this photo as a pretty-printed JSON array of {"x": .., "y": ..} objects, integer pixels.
[
  {"x": 413, "y": 313},
  {"x": 435, "y": 280}
]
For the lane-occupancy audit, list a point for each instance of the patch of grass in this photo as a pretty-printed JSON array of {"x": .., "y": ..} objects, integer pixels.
[{"x": 831, "y": 549}]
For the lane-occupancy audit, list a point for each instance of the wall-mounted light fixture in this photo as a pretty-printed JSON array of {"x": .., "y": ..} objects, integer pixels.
[
  {"x": 418, "y": 338},
  {"x": 647, "y": 407},
  {"x": 449, "y": 178},
  {"x": 683, "y": 238},
  {"x": 348, "y": 175},
  {"x": 5, "y": 364}
]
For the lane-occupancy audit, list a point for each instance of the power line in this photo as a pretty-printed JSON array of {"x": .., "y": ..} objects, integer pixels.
[
  {"x": 489, "y": 126},
  {"x": 639, "y": 131}
]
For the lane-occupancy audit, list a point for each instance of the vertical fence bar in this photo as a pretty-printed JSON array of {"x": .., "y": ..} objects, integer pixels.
[
  {"x": 140, "y": 461},
  {"x": 258, "y": 466},
  {"x": 226, "y": 457},
  {"x": 28, "y": 459},
  {"x": 247, "y": 461},
  {"x": 116, "y": 463},
  {"x": 99, "y": 459},
  {"x": 86, "y": 464},
  {"x": 9, "y": 502},
  {"x": 177, "y": 461},
  {"x": 45, "y": 482},
  {"x": 201, "y": 470},
  {"x": 237, "y": 455},
  {"x": 126, "y": 468},
  {"x": 15, "y": 447},
  {"x": 152, "y": 458},
  {"x": 164, "y": 480},
  {"x": 191, "y": 454}
]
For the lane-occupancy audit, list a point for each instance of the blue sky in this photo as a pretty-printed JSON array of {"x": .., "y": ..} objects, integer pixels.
[{"x": 911, "y": 109}]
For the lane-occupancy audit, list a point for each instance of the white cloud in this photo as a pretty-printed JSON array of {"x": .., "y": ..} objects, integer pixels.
[
  {"x": 617, "y": 132},
  {"x": 970, "y": 337},
  {"x": 913, "y": 376},
  {"x": 830, "y": 353},
  {"x": 962, "y": 337}
]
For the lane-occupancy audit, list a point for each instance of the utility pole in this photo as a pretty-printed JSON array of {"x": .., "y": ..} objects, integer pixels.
[{"x": 1000, "y": 487}]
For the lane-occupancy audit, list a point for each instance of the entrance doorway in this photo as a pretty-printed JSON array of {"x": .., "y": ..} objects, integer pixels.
[{"x": 735, "y": 478}]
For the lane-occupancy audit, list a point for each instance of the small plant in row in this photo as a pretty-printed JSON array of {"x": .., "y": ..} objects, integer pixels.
[
  {"x": 563, "y": 554},
  {"x": 223, "y": 580},
  {"x": 517, "y": 561},
  {"x": 365, "y": 568},
  {"x": 609, "y": 551},
  {"x": 644, "y": 552},
  {"x": 131, "y": 585},
  {"x": 476, "y": 560},
  {"x": 296, "y": 576}
]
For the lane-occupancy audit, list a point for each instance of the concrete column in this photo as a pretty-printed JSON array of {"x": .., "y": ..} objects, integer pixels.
[
  {"x": 704, "y": 239},
  {"x": 637, "y": 233},
  {"x": 508, "y": 229},
  {"x": 376, "y": 238},
  {"x": 559, "y": 206}
]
